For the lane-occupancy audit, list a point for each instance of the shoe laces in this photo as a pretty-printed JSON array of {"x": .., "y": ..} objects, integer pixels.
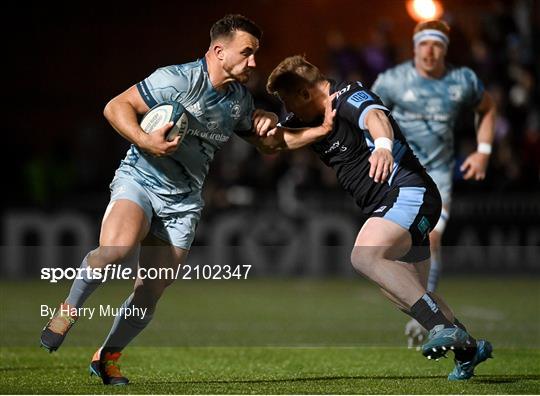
[{"x": 110, "y": 363}]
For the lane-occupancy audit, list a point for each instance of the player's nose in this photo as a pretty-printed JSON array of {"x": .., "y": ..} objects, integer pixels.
[{"x": 251, "y": 61}]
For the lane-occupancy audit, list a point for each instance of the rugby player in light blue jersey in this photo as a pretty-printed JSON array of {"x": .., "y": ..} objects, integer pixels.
[
  {"x": 426, "y": 96},
  {"x": 156, "y": 192}
]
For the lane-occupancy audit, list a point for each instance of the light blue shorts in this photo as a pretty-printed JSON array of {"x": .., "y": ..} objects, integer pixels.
[
  {"x": 172, "y": 218},
  {"x": 443, "y": 178}
]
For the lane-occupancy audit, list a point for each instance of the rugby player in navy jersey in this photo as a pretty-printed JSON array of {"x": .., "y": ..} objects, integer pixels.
[
  {"x": 374, "y": 163},
  {"x": 426, "y": 96}
]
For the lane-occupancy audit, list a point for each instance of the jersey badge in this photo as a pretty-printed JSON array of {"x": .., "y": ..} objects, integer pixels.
[
  {"x": 358, "y": 98},
  {"x": 455, "y": 92}
]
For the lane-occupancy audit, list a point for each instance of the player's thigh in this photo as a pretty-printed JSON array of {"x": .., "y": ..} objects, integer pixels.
[
  {"x": 157, "y": 253},
  {"x": 383, "y": 238},
  {"x": 159, "y": 264},
  {"x": 127, "y": 218},
  {"x": 124, "y": 224}
]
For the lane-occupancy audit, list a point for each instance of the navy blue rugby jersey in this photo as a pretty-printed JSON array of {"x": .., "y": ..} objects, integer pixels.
[{"x": 349, "y": 145}]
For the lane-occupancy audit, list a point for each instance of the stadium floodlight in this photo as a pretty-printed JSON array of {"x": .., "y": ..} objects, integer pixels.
[{"x": 422, "y": 10}]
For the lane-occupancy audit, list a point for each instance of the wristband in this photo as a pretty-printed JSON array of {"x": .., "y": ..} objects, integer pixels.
[
  {"x": 484, "y": 148},
  {"x": 383, "y": 142}
]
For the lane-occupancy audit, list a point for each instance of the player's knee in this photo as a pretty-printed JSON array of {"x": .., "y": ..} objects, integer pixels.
[
  {"x": 362, "y": 258},
  {"x": 112, "y": 254},
  {"x": 152, "y": 290}
]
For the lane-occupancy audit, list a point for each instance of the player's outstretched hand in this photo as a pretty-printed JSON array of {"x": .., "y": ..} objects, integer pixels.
[
  {"x": 475, "y": 166},
  {"x": 156, "y": 143},
  {"x": 381, "y": 164},
  {"x": 264, "y": 122}
]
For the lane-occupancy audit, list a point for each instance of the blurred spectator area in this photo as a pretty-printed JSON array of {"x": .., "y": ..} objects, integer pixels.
[{"x": 72, "y": 59}]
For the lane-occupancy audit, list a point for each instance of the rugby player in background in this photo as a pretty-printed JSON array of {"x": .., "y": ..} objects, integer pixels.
[{"x": 426, "y": 95}]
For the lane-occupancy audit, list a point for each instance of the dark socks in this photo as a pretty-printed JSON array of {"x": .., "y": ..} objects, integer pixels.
[{"x": 428, "y": 314}]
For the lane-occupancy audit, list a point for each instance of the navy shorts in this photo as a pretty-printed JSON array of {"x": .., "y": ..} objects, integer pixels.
[{"x": 417, "y": 209}]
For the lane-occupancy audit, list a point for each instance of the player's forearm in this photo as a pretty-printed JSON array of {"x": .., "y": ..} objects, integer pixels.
[
  {"x": 486, "y": 112},
  {"x": 123, "y": 118},
  {"x": 297, "y": 138},
  {"x": 486, "y": 126},
  {"x": 281, "y": 139},
  {"x": 379, "y": 125}
]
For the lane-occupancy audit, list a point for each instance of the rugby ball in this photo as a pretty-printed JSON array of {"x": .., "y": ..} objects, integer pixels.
[{"x": 165, "y": 112}]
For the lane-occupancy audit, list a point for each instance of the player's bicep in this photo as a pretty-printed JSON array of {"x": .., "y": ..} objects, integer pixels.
[
  {"x": 358, "y": 105},
  {"x": 486, "y": 103},
  {"x": 475, "y": 87},
  {"x": 130, "y": 97},
  {"x": 165, "y": 84},
  {"x": 134, "y": 98}
]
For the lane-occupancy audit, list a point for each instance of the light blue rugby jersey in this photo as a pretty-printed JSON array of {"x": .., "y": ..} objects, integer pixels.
[
  {"x": 426, "y": 109},
  {"x": 214, "y": 117}
]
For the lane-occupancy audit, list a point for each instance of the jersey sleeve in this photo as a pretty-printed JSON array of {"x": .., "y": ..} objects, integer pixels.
[
  {"x": 354, "y": 107},
  {"x": 475, "y": 87},
  {"x": 166, "y": 83},
  {"x": 382, "y": 88},
  {"x": 244, "y": 125}
]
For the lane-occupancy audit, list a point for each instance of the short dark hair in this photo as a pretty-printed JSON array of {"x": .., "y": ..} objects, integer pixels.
[
  {"x": 230, "y": 23},
  {"x": 293, "y": 74}
]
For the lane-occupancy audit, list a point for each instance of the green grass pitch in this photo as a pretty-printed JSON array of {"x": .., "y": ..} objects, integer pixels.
[{"x": 274, "y": 337}]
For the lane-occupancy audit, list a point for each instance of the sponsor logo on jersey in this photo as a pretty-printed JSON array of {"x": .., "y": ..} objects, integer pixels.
[
  {"x": 343, "y": 90},
  {"x": 410, "y": 116},
  {"x": 336, "y": 145},
  {"x": 358, "y": 98},
  {"x": 382, "y": 208},
  {"x": 220, "y": 137},
  {"x": 409, "y": 96}
]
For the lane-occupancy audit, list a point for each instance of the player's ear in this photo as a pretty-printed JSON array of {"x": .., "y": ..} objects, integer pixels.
[{"x": 218, "y": 50}]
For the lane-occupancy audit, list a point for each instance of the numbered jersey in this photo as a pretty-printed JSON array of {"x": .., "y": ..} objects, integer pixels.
[
  {"x": 426, "y": 109},
  {"x": 213, "y": 117}
]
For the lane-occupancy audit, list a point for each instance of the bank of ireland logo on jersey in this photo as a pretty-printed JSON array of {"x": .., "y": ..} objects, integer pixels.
[
  {"x": 358, "y": 98},
  {"x": 235, "y": 110}
]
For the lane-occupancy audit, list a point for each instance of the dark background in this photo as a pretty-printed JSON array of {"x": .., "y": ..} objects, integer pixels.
[{"x": 66, "y": 61}]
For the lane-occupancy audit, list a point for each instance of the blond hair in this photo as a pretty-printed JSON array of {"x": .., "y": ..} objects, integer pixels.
[{"x": 292, "y": 74}]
